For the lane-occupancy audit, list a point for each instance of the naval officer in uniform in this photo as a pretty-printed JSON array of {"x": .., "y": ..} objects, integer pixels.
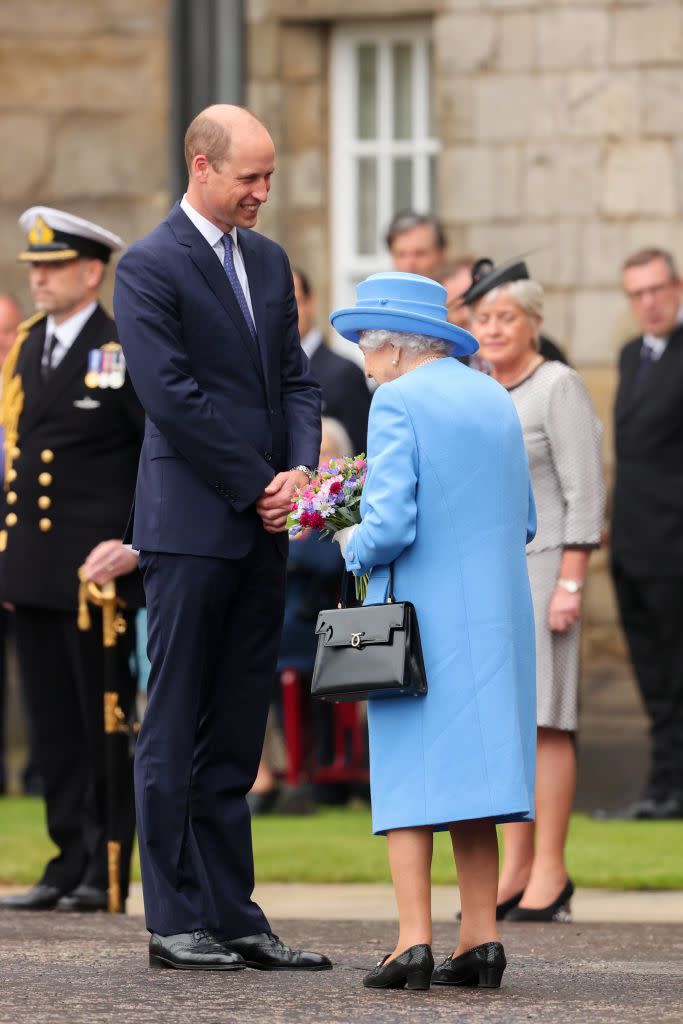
[{"x": 73, "y": 430}]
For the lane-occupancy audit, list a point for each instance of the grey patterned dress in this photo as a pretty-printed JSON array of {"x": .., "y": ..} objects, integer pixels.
[{"x": 562, "y": 436}]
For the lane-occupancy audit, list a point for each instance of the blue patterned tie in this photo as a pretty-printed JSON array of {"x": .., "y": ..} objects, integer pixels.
[
  {"x": 647, "y": 361},
  {"x": 229, "y": 265}
]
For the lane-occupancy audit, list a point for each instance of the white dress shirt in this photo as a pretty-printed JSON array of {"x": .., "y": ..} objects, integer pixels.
[
  {"x": 66, "y": 332},
  {"x": 214, "y": 237},
  {"x": 656, "y": 344},
  {"x": 312, "y": 341}
]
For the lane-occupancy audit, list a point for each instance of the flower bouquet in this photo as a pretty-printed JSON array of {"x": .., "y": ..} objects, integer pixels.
[{"x": 331, "y": 501}]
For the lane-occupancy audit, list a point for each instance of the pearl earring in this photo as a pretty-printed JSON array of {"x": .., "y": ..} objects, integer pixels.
[{"x": 394, "y": 362}]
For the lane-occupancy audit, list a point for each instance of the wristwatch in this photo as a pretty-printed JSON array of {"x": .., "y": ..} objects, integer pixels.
[
  {"x": 310, "y": 473},
  {"x": 571, "y": 586}
]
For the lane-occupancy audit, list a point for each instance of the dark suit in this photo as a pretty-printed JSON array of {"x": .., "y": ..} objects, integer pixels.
[
  {"x": 69, "y": 488},
  {"x": 225, "y": 413},
  {"x": 647, "y": 544},
  {"x": 345, "y": 395}
]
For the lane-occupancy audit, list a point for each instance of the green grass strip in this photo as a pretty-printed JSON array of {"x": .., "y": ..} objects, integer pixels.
[{"x": 337, "y": 846}]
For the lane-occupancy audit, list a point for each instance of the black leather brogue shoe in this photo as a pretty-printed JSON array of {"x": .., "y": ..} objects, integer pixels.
[
  {"x": 84, "y": 899},
  {"x": 192, "y": 951},
  {"x": 266, "y": 952},
  {"x": 40, "y": 897}
]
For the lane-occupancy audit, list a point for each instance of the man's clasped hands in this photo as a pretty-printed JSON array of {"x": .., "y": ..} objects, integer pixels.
[{"x": 276, "y": 501}]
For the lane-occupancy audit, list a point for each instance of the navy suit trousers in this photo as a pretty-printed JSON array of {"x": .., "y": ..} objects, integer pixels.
[{"x": 214, "y": 631}]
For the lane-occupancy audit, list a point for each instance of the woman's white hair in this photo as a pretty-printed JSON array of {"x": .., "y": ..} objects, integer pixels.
[
  {"x": 416, "y": 344},
  {"x": 529, "y": 297}
]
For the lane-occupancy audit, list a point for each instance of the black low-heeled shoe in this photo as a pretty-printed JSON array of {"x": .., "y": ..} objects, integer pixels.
[
  {"x": 559, "y": 910},
  {"x": 411, "y": 970},
  {"x": 480, "y": 967},
  {"x": 502, "y": 909}
]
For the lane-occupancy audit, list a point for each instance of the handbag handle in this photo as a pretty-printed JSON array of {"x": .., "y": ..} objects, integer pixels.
[{"x": 344, "y": 595}]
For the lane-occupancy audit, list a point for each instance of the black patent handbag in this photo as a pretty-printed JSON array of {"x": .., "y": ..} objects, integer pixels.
[{"x": 369, "y": 652}]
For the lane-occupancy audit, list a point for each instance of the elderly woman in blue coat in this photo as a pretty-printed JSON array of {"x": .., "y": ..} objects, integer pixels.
[{"x": 448, "y": 501}]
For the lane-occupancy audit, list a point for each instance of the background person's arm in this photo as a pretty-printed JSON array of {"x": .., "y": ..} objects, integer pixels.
[{"x": 574, "y": 433}]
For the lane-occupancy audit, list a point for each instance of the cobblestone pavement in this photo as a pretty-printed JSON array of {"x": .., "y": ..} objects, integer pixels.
[{"x": 89, "y": 969}]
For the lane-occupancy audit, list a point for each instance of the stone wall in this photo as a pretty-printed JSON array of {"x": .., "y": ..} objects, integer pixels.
[
  {"x": 83, "y": 117},
  {"x": 560, "y": 126}
]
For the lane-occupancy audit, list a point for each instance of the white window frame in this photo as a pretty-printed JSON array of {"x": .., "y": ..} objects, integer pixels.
[{"x": 347, "y": 264}]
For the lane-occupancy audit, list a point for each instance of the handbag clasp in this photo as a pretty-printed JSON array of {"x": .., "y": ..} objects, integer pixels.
[{"x": 355, "y": 639}]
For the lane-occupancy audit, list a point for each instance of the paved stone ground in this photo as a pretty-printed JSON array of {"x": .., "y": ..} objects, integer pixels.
[{"x": 90, "y": 969}]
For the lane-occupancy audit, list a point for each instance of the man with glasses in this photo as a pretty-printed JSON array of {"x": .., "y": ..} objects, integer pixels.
[{"x": 647, "y": 522}]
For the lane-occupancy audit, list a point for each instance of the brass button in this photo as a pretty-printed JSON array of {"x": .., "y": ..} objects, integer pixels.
[
  {"x": 11, "y": 497},
  {"x": 11, "y": 518},
  {"x": 47, "y": 455},
  {"x": 45, "y": 479},
  {"x": 15, "y": 453},
  {"x": 44, "y": 502},
  {"x": 45, "y": 524},
  {"x": 11, "y": 476}
]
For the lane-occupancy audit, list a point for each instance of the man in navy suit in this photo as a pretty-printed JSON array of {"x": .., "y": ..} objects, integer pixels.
[
  {"x": 208, "y": 324},
  {"x": 647, "y": 518}
]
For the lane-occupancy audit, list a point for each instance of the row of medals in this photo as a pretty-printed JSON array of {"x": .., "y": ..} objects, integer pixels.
[{"x": 106, "y": 367}]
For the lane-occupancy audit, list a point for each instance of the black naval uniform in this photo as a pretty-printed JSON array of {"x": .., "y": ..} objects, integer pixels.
[{"x": 70, "y": 486}]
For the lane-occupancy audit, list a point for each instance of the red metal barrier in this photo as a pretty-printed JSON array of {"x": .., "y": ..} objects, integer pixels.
[{"x": 348, "y": 758}]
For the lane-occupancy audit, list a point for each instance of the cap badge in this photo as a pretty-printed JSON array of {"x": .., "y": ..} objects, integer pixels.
[
  {"x": 106, "y": 367},
  {"x": 40, "y": 233}
]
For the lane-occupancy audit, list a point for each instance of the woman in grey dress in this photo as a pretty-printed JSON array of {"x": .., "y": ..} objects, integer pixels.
[{"x": 562, "y": 436}]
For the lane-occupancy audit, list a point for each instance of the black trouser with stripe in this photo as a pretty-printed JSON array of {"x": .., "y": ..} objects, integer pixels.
[{"x": 62, "y": 673}]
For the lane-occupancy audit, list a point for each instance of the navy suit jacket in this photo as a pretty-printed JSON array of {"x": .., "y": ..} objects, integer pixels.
[
  {"x": 225, "y": 413},
  {"x": 646, "y": 534}
]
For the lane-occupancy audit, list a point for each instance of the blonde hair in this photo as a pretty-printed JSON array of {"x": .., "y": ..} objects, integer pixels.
[{"x": 337, "y": 437}]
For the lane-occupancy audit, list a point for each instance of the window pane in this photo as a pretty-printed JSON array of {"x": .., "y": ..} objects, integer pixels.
[
  {"x": 403, "y": 184},
  {"x": 366, "y": 115},
  {"x": 431, "y": 130},
  {"x": 403, "y": 90},
  {"x": 433, "y": 184},
  {"x": 366, "y": 206}
]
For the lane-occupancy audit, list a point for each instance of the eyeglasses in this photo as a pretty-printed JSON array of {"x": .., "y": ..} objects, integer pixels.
[{"x": 653, "y": 289}]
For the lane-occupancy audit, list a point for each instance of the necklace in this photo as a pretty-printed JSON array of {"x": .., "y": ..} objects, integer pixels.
[
  {"x": 534, "y": 362},
  {"x": 430, "y": 359}
]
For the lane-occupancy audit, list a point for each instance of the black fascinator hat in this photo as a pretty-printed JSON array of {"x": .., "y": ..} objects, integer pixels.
[{"x": 486, "y": 276}]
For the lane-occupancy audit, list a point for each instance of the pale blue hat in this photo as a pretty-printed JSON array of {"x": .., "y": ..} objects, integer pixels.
[{"x": 407, "y": 303}]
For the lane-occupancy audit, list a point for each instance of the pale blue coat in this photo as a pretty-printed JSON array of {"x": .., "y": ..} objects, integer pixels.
[{"x": 448, "y": 498}]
